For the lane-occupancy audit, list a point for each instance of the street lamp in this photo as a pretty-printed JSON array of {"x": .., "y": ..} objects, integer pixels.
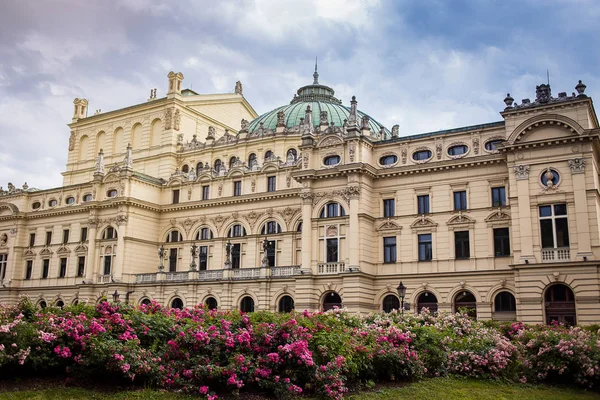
[
  {"x": 115, "y": 296},
  {"x": 402, "y": 293}
]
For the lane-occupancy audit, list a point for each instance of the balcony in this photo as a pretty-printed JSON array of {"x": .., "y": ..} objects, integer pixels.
[
  {"x": 246, "y": 273},
  {"x": 284, "y": 272},
  {"x": 215, "y": 275},
  {"x": 331, "y": 268},
  {"x": 104, "y": 279},
  {"x": 145, "y": 278},
  {"x": 176, "y": 276},
  {"x": 210, "y": 275},
  {"x": 556, "y": 254}
]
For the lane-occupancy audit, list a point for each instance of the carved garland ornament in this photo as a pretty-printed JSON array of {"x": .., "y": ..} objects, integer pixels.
[
  {"x": 577, "y": 165},
  {"x": 521, "y": 172}
]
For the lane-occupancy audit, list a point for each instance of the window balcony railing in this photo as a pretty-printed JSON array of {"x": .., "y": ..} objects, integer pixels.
[
  {"x": 104, "y": 279},
  {"x": 556, "y": 254},
  {"x": 282, "y": 272},
  {"x": 246, "y": 273},
  {"x": 145, "y": 278},
  {"x": 210, "y": 275},
  {"x": 331, "y": 268},
  {"x": 176, "y": 276}
]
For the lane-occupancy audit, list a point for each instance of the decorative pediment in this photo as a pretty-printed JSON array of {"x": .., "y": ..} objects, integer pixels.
[
  {"x": 330, "y": 140},
  {"x": 29, "y": 253},
  {"x": 389, "y": 226},
  {"x": 81, "y": 248},
  {"x": 45, "y": 252},
  {"x": 111, "y": 177},
  {"x": 460, "y": 221},
  {"x": 498, "y": 217},
  {"x": 288, "y": 213},
  {"x": 423, "y": 224},
  {"x": 63, "y": 250}
]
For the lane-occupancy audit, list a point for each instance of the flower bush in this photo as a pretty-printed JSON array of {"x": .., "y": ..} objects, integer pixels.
[{"x": 214, "y": 352}]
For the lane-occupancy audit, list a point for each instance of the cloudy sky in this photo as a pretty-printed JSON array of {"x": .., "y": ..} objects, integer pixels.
[{"x": 426, "y": 65}]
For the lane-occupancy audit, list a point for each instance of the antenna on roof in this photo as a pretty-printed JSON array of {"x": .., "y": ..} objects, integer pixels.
[
  {"x": 316, "y": 74},
  {"x": 548, "y": 76}
]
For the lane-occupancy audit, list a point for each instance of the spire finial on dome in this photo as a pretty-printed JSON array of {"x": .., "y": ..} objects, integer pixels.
[{"x": 316, "y": 74}]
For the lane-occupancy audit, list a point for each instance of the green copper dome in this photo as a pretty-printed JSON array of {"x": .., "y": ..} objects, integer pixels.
[{"x": 319, "y": 98}]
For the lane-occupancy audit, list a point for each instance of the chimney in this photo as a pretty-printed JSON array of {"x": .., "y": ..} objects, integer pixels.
[{"x": 174, "y": 82}]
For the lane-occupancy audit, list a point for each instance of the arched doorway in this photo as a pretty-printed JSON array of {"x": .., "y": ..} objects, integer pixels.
[
  {"x": 286, "y": 304},
  {"x": 331, "y": 299},
  {"x": 560, "y": 304},
  {"x": 211, "y": 303},
  {"x": 247, "y": 305},
  {"x": 465, "y": 301},
  {"x": 390, "y": 303},
  {"x": 427, "y": 300},
  {"x": 505, "y": 307},
  {"x": 177, "y": 303},
  {"x": 146, "y": 302}
]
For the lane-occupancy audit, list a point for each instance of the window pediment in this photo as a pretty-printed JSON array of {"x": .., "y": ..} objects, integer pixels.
[
  {"x": 45, "y": 252},
  {"x": 63, "y": 250},
  {"x": 461, "y": 221},
  {"x": 498, "y": 217},
  {"x": 81, "y": 248},
  {"x": 423, "y": 224},
  {"x": 389, "y": 226}
]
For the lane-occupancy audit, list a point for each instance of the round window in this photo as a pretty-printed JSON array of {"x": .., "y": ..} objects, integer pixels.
[
  {"x": 36, "y": 205},
  {"x": 70, "y": 200},
  {"x": 493, "y": 144},
  {"x": 52, "y": 203},
  {"x": 87, "y": 197},
  {"x": 550, "y": 177},
  {"x": 388, "y": 160},
  {"x": 421, "y": 155},
  {"x": 457, "y": 150},
  {"x": 332, "y": 160},
  {"x": 111, "y": 193}
]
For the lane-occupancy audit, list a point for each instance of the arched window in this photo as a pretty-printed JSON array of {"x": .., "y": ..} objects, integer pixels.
[
  {"x": 299, "y": 227},
  {"x": 218, "y": 165},
  {"x": 237, "y": 231},
  {"x": 332, "y": 210},
  {"x": 391, "y": 302},
  {"x": 211, "y": 303},
  {"x": 59, "y": 304},
  {"x": 84, "y": 143},
  {"x": 185, "y": 169},
  {"x": 109, "y": 233},
  {"x": 199, "y": 168},
  {"x": 292, "y": 155},
  {"x": 174, "y": 236},
  {"x": 146, "y": 302},
  {"x": 465, "y": 301},
  {"x": 270, "y": 227},
  {"x": 232, "y": 161},
  {"x": 505, "y": 302},
  {"x": 286, "y": 304},
  {"x": 427, "y": 300},
  {"x": 204, "y": 234},
  {"x": 268, "y": 154},
  {"x": 560, "y": 304},
  {"x": 252, "y": 161},
  {"x": 177, "y": 303},
  {"x": 330, "y": 300},
  {"x": 112, "y": 193},
  {"x": 247, "y": 305},
  {"x": 42, "y": 304},
  {"x": 36, "y": 204}
]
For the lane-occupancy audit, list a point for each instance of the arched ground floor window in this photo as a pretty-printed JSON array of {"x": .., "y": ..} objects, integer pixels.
[
  {"x": 505, "y": 307},
  {"x": 286, "y": 304},
  {"x": 559, "y": 302},
  {"x": 330, "y": 300},
  {"x": 465, "y": 301},
  {"x": 177, "y": 303},
  {"x": 427, "y": 300},
  {"x": 390, "y": 303},
  {"x": 247, "y": 305},
  {"x": 211, "y": 303}
]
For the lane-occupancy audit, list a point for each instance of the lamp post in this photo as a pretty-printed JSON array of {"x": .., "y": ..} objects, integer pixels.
[
  {"x": 115, "y": 296},
  {"x": 402, "y": 293}
]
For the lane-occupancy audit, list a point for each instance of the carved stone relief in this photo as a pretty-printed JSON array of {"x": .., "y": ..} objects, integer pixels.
[{"x": 521, "y": 172}]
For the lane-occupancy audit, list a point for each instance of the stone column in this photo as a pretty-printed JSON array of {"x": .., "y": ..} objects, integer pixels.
[
  {"x": 584, "y": 245},
  {"x": 90, "y": 266},
  {"x": 526, "y": 233},
  {"x": 307, "y": 234},
  {"x": 354, "y": 231},
  {"x": 117, "y": 271}
]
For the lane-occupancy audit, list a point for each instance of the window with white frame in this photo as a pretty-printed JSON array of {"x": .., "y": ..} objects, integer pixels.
[{"x": 554, "y": 226}]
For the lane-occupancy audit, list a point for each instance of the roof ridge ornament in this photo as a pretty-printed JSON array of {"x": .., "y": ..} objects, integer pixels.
[{"x": 316, "y": 74}]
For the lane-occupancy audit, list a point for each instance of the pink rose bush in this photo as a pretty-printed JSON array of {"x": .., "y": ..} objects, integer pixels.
[{"x": 210, "y": 353}]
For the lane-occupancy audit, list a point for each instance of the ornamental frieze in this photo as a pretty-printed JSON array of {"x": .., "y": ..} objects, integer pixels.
[
  {"x": 577, "y": 165},
  {"x": 521, "y": 172}
]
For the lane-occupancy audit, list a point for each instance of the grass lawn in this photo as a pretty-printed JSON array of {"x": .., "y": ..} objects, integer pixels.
[{"x": 436, "y": 389}]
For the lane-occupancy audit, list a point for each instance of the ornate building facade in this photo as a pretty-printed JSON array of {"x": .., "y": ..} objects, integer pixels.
[{"x": 315, "y": 204}]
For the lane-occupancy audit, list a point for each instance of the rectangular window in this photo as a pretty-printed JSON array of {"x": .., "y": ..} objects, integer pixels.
[
  {"x": 176, "y": 196},
  {"x": 423, "y": 204},
  {"x": 29, "y": 269},
  {"x": 203, "y": 262},
  {"x": 31, "y": 239},
  {"x": 107, "y": 265},
  {"x": 48, "y": 238},
  {"x": 501, "y": 242},
  {"x": 173, "y": 260},
  {"x": 271, "y": 183},
  {"x": 237, "y": 188},
  {"x": 205, "y": 192},
  {"x": 554, "y": 226},
  {"x": 460, "y": 200},
  {"x": 65, "y": 236},
  {"x": 389, "y": 249},
  {"x": 83, "y": 236},
  {"x": 332, "y": 250},
  {"x": 3, "y": 264},
  {"x": 499, "y": 196},
  {"x": 461, "y": 245},
  {"x": 80, "y": 266},
  {"x": 45, "y": 268},
  {"x": 236, "y": 259},
  {"x": 389, "y": 208},
  {"x": 271, "y": 252},
  {"x": 63, "y": 268},
  {"x": 425, "y": 248}
]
